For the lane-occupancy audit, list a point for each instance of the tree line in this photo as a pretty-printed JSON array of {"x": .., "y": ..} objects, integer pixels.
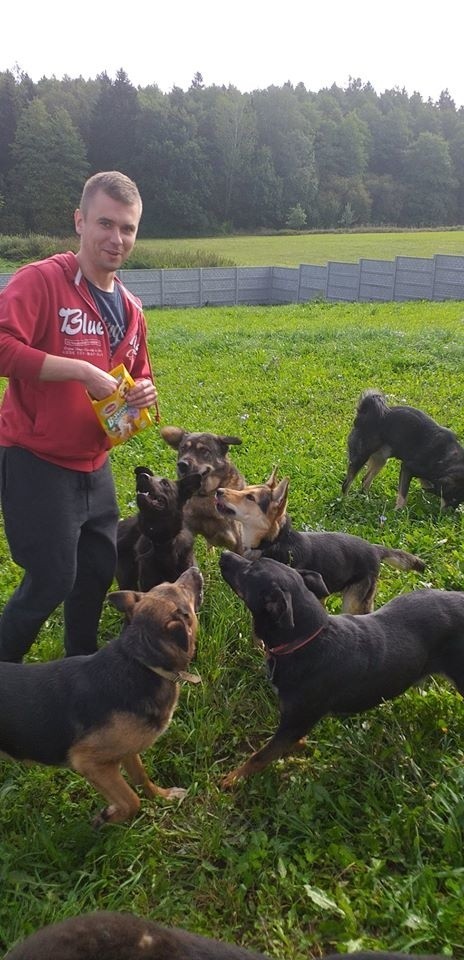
[{"x": 212, "y": 158}]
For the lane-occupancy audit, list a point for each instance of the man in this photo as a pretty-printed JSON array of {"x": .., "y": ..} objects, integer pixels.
[{"x": 64, "y": 323}]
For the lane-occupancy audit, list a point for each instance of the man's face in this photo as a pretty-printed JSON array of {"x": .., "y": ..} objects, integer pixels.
[{"x": 107, "y": 233}]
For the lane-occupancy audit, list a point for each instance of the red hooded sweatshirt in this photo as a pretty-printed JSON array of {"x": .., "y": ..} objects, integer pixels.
[{"x": 47, "y": 308}]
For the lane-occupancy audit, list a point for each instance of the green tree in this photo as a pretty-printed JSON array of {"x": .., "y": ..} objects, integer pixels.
[
  {"x": 49, "y": 169},
  {"x": 113, "y": 125},
  {"x": 430, "y": 183}
]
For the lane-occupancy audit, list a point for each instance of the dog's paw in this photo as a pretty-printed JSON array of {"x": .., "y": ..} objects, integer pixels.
[
  {"x": 229, "y": 781},
  {"x": 174, "y": 793},
  {"x": 104, "y": 816}
]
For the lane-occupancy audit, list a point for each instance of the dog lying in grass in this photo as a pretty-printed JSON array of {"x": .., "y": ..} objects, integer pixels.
[
  {"x": 323, "y": 664},
  {"x": 95, "y": 714},
  {"x": 105, "y": 935},
  {"x": 207, "y": 454},
  {"x": 347, "y": 564},
  {"x": 426, "y": 450},
  {"x": 154, "y": 545}
]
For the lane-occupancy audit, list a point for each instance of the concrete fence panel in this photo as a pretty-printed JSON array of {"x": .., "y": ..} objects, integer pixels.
[
  {"x": 405, "y": 278},
  {"x": 414, "y": 278},
  {"x": 377, "y": 279}
]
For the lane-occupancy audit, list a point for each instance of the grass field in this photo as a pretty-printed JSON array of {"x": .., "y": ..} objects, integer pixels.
[
  {"x": 285, "y": 250},
  {"x": 357, "y": 841},
  {"x": 318, "y": 248}
]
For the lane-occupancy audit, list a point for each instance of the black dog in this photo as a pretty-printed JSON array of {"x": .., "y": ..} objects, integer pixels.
[
  {"x": 207, "y": 454},
  {"x": 427, "y": 451},
  {"x": 155, "y": 546},
  {"x": 95, "y": 714},
  {"x": 348, "y": 564},
  {"x": 120, "y": 936},
  {"x": 324, "y": 664}
]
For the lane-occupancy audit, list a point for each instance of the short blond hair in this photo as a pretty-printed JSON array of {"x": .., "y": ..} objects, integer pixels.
[{"x": 115, "y": 185}]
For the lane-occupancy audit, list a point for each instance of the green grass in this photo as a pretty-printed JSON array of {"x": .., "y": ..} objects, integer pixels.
[
  {"x": 280, "y": 250},
  {"x": 317, "y": 247},
  {"x": 357, "y": 840}
]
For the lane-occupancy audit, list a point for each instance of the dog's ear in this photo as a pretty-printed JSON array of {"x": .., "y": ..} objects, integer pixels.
[
  {"x": 124, "y": 601},
  {"x": 138, "y": 470},
  {"x": 314, "y": 582},
  {"x": 272, "y": 480},
  {"x": 179, "y": 632},
  {"x": 280, "y": 496},
  {"x": 173, "y": 436},
  {"x": 188, "y": 485},
  {"x": 228, "y": 441},
  {"x": 279, "y": 605}
]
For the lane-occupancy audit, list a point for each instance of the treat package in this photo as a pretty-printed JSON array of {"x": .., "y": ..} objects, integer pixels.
[{"x": 118, "y": 419}]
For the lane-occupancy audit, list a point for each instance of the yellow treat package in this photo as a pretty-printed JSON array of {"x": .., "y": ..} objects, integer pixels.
[{"x": 118, "y": 419}]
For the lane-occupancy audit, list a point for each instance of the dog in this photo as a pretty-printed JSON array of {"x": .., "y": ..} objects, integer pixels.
[
  {"x": 108, "y": 935},
  {"x": 426, "y": 450},
  {"x": 323, "y": 664},
  {"x": 94, "y": 714},
  {"x": 155, "y": 546},
  {"x": 347, "y": 564},
  {"x": 207, "y": 454}
]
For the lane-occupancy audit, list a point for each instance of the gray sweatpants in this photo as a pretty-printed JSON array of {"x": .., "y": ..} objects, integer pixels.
[{"x": 61, "y": 528}]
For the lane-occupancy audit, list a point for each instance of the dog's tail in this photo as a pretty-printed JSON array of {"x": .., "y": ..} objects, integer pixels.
[
  {"x": 371, "y": 405},
  {"x": 400, "y": 559}
]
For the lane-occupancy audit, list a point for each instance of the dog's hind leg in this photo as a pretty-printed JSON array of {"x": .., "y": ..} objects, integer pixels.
[
  {"x": 358, "y": 598},
  {"x": 288, "y": 736},
  {"x": 375, "y": 464},
  {"x": 403, "y": 487},
  {"x": 139, "y": 777}
]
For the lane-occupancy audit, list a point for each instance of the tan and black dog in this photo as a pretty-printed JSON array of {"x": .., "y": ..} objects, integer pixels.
[
  {"x": 207, "y": 454},
  {"x": 155, "y": 545},
  {"x": 340, "y": 665},
  {"x": 95, "y": 714},
  {"x": 426, "y": 450},
  {"x": 106, "y": 935},
  {"x": 348, "y": 565}
]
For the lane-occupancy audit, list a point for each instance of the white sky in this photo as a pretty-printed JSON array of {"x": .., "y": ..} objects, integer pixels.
[{"x": 247, "y": 43}]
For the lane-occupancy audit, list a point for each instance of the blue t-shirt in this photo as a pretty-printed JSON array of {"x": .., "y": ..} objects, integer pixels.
[{"x": 111, "y": 307}]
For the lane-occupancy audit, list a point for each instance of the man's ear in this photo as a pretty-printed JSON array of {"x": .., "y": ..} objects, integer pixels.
[{"x": 279, "y": 606}]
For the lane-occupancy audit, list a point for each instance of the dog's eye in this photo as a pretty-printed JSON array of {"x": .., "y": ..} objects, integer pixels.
[
  {"x": 250, "y": 496},
  {"x": 165, "y": 483}
]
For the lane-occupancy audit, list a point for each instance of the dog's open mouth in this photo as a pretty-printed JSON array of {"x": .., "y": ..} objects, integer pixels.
[
  {"x": 148, "y": 499},
  {"x": 223, "y": 507}
]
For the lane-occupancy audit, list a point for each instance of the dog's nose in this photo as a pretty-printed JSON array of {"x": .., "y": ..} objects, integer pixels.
[{"x": 183, "y": 467}]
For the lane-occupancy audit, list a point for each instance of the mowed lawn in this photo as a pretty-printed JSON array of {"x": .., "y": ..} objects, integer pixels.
[
  {"x": 356, "y": 841},
  {"x": 318, "y": 248}
]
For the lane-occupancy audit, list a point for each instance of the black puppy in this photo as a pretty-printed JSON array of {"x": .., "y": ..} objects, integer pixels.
[
  {"x": 106, "y": 935},
  {"x": 343, "y": 664},
  {"x": 348, "y": 564},
  {"x": 426, "y": 450},
  {"x": 96, "y": 714},
  {"x": 155, "y": 546}
]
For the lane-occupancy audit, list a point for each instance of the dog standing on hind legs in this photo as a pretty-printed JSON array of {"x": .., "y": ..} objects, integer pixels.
[
  {"x": 426, "y": 450},
  {"x": 208, "y": 455}
]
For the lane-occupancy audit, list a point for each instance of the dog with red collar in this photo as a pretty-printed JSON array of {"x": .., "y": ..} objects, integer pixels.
[{"x": 323, "y": 664}]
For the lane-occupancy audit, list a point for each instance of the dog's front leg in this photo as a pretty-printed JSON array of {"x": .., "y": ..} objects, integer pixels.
[
  {"x": 284, "y": 740},
  {"x": 134, "y": 766},
  {"x": 123, "y": 803}
]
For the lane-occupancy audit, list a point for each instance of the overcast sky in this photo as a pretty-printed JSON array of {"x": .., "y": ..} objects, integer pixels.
[{"x": 250, "y": 44}]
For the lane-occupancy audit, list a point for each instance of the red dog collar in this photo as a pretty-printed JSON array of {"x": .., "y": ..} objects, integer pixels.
[{"x": 294, "y": 645}]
